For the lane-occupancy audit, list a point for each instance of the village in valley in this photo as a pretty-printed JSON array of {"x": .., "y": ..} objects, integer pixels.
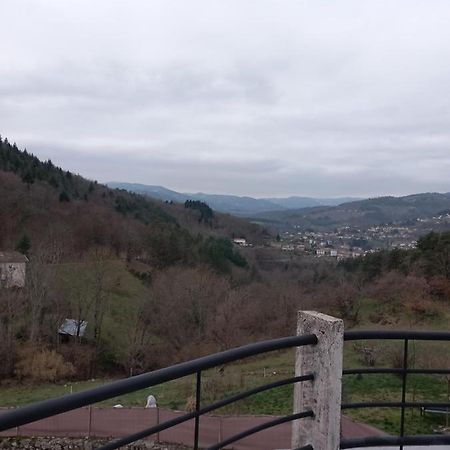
[{"x": 352, "y": 242}]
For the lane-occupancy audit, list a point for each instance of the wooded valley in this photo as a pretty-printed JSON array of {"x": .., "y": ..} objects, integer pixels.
[{"x": 161, "y": 282}]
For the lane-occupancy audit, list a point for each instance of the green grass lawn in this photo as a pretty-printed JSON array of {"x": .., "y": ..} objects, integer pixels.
[
  {"x": 262, "y": 370},
  {"x": 174, "y": 394},
  {"x": 357, "y": 388}
]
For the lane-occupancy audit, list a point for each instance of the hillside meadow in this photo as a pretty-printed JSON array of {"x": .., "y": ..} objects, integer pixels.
[{"x": 249, "y": 373}]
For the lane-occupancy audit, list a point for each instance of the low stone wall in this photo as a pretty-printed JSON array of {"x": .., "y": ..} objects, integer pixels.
[{"x": 76, "y": 444}]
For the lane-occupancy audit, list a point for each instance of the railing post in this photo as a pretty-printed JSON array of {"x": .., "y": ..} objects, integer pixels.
[
  {"x": 404, "y": 377},
  {"x": 220, "y": 429},
  {"x": 157, "y": 422},
  {"x": 198, "y": 392},
  {"x": 323, "y": 394},
  {"x": 89, "y": 420}
]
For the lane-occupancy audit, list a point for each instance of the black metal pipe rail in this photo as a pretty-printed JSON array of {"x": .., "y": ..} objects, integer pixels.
[
  {"x": 359, "y": 335},
  {"x": 51, "y": 407},
  {"x": 374, "y": 370},
  {"x": 404, "y": 371},
  {"x": 147, "y": 432},
  {"x": 382, "y": 441},
  {"x": 69, "y": 402},
  {"x": 405, "y": 404},
  {"x": 66, "y": 403},
  {"x": 177, "y": 421},
  {"x": 261, "y": 427},
  {"x": 207, "y": 409}
]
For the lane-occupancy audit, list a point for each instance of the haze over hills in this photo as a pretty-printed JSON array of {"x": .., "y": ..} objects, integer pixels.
[
  {"x": 362, "y": 213},
  {"x": 232, "y": 204}
]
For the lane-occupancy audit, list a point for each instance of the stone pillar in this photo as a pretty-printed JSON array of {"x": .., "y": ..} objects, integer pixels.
[{"x": 323, "y": 395}]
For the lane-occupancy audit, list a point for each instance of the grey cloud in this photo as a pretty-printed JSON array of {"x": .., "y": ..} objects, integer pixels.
[
  {"x": 259, "y": 98},
  {"x": 115, "y": 84}
]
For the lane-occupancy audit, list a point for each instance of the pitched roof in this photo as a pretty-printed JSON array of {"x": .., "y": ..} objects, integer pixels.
[
  {"x": 73, "y": 327},
  {"x": 12, "y": 257}
]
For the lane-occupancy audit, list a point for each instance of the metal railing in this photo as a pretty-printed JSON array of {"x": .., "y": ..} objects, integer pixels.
[
  {"x": 48, "y": 408},
  {"x": 401, "y": 439},
  {"x": 70, "y": 402}
]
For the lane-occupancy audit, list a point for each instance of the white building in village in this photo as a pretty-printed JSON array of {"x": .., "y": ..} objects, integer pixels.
[{"x": 12, "y": 269}]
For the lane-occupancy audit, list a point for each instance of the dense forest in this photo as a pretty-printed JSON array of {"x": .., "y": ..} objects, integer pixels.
[{"x": 159, "y": 282}]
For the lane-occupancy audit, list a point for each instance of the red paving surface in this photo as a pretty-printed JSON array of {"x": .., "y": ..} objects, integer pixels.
[
  {"x": 110, "y": 422},
  {"x": 352, "y": 429}
]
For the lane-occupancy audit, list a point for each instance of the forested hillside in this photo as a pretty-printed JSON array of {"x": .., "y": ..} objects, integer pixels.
[
  {"x": 96, "y": 255},
  {"x": 159, "y": 283},
  {"x": 411, "y": 284},
  {"x": 65, "y": 215}
]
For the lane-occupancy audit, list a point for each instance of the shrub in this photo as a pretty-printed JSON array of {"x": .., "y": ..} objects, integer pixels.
[
  {"x": 37, "y": 364},
  {"x": 80, "y": 357},
  {"x": 397, "y": 358},
  {"x": 368, "y": 352},
  {"x": 190, "y": 404}
]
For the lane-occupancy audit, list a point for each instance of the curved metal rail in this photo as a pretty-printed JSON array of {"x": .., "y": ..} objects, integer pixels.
[
  {"x": 66, "y": 403},
  {"x": 69, "y": 402},
  {"x": 401, "y": 439}
]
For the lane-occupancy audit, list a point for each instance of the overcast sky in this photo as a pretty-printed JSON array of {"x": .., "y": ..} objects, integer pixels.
[{"x": 318, "y": 98}]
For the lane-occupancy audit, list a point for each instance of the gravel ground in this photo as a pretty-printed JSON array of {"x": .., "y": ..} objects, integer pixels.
[{"x": 77, "y": 444}]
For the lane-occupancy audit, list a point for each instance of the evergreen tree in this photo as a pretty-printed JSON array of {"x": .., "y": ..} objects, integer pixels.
[
  {"x": 24, "y": 244},
  {"x": 63, "y": 197},
  {"x": 206, "y": 213},
  {"x": 28, "y": 178}
]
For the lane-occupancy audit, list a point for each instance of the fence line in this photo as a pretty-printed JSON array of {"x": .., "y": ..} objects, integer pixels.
[{"x": 119, "y": 422}]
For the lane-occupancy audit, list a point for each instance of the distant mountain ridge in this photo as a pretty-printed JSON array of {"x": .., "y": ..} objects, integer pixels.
[
  {"x": 362, "y": 213},
  {"x": 232, "y": 204}
]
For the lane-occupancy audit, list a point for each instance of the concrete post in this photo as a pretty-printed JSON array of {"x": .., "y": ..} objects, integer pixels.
[{"x": 323, "y": 395}]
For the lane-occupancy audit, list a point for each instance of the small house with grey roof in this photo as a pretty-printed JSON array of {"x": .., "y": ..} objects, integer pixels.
[{"x": 12, "y": 269}]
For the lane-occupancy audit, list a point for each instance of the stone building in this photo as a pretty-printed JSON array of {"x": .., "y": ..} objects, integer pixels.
[{"x": 12, "y": 269}]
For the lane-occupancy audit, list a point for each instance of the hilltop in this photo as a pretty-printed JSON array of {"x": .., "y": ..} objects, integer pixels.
[
  {"x": 362, "y": 213},
  {"x": 237, "y": 205},
  {"x": 308, "y": 212}
]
